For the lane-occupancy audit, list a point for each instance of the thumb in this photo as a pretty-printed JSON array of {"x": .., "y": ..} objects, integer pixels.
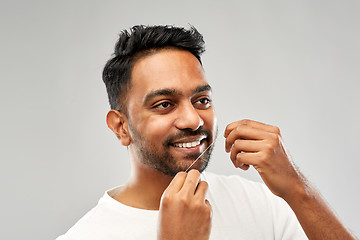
[{"x": 207, "y": 203}]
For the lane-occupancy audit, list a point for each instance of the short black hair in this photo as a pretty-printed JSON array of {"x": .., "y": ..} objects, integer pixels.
[{"x": 140, "y": 41}]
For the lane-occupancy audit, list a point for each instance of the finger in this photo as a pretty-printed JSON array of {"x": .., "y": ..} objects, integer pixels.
[
  {"x": 201, "y": 190},
  {"x": 244, "y": 132},
  {"x": 233, "y": 157},
  {"x": 177, "y": 183},
  {"x": 191, "y": 182},
  {"x": 251, "y": 159},
  {"x": 207, "y": 203},
  {"x": 237, "y": 161},
  {"x": 230, "y": 127},
  {"x": 244, "y": 166},
  {"x": 260, "y": 125},
  {"x": 238, "y": 164},
  {"x": 247, "y": 145},
  {"x": 240, "y": 146},
  {"x": 253, "y": 124}
]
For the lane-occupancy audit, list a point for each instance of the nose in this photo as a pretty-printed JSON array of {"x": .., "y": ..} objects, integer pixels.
[{"x": 188, "y": 118}]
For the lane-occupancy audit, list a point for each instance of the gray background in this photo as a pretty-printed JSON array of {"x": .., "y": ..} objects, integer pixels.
[{"x": 294, "y": 64}]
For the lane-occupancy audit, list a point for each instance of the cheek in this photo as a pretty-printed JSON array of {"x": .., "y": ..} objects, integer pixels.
[
  {"x": 157, "y": 127},
  {"x": 210, "y": 120},
  {"x": 215, "y": 123}
]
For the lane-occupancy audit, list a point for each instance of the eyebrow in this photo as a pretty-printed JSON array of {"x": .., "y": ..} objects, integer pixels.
[
  {"x": 174, "y": 92},
  {"x": 204, "y": 88}
]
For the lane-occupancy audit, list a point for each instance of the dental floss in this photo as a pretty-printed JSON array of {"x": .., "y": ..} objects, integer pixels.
[{"x": 198, "y": 157}]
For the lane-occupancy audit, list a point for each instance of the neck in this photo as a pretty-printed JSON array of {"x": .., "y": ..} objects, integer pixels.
[{"x": 144, "y": 188}]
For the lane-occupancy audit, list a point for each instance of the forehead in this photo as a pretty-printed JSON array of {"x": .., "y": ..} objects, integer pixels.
[{"x": 167, "y": 69}]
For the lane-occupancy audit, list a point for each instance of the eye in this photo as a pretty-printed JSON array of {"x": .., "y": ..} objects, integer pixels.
[
  {"x": 203, "y": 103},
  {"x": 163, "y": 105}
]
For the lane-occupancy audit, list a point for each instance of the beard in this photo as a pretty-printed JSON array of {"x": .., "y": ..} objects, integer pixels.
[{"x": 163, "y": 161}]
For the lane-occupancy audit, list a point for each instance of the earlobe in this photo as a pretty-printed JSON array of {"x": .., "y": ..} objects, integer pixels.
[{"x": 118, "y": 123}]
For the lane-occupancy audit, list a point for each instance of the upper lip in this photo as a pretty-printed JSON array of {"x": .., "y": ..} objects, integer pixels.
[{"x": 190, "y": 139}]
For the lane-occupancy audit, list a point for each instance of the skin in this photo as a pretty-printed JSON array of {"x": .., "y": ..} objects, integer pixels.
[
  {"x": 182, "y": 208},
  {"x": 185, "y": 199},
  {"x": 184, "y": 213}
]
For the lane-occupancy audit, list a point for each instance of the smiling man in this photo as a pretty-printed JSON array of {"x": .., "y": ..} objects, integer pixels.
[
  {"x": 161, "y": 109},
  {"x": 169, "y": 114}
]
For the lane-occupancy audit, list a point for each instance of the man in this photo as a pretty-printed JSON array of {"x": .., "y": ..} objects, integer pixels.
[{"x": 161, "y": 109}]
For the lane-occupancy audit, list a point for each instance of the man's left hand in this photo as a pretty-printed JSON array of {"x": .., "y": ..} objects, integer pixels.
[{"x": 261, "y": 146}]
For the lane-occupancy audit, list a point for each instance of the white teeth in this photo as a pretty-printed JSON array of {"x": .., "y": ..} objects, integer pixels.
[{"x": 188, "y": 144}]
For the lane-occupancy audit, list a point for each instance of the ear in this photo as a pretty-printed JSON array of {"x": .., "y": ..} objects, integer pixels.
[{"x": 118, "y": 123}]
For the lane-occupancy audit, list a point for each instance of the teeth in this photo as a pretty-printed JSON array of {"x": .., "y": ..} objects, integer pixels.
[{"x": 188, "y": 144}]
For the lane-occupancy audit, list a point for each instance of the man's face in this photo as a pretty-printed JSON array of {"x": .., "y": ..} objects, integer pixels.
[{"x": 171, "y": 118}]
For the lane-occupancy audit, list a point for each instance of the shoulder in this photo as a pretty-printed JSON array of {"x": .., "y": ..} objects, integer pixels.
[{"x": 110, "y": 219}]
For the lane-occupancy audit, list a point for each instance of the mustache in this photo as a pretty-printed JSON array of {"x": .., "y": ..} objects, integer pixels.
[{"x": 188, "y": 133}]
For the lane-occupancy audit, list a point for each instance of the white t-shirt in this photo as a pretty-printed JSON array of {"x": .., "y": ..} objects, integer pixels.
[{"x": 242, "y": 209}]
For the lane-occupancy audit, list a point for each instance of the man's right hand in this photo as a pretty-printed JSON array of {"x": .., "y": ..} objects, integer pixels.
[{"x": 184, "y": 212}]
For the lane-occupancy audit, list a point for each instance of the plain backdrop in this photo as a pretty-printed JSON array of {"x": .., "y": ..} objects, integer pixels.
[{"x": 293, "y": 64}]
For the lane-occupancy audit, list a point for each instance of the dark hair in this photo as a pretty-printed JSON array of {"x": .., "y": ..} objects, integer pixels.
[{"x": 140, "y": 41}]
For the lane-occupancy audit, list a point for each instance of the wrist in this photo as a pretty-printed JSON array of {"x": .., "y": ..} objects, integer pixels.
[{"x": 300, "y": 193}]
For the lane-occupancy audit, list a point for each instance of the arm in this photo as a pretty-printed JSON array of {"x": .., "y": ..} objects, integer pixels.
[
  {"x": 315, "y": 216},
  {"x": 260, "y": 145},
  {"x": 184, "y": 212}
]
